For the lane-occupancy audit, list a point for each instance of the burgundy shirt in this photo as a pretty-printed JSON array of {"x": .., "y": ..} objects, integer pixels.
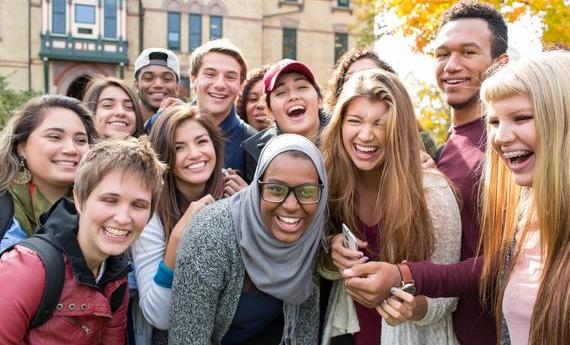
[
  {"x": 369, "y": 320},
  {"x": 460, "y": 161}
]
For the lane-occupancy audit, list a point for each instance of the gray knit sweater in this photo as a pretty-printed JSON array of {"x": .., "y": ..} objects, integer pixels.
[{"x": 208, "y": 283}]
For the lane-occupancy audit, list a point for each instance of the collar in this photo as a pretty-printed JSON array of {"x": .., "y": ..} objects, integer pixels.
[{"x": 230, "y": 122}]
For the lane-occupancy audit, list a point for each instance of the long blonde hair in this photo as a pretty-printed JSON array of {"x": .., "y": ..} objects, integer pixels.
[
  {"x": 546, "y": 81},
  {"x": 406, "y": 227}
]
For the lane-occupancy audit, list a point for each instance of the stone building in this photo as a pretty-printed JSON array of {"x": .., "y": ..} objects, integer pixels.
[{"x": 56, "y": 46}]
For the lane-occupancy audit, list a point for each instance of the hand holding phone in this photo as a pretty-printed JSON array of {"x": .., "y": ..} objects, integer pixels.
[{"x": 349, "y": 238}]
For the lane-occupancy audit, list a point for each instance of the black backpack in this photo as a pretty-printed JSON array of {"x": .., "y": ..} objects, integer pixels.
[{"x": 6, "y": 213}]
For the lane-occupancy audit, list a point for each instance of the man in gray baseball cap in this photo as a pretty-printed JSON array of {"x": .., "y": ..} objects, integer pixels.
[{"x": 157, "y": 77}]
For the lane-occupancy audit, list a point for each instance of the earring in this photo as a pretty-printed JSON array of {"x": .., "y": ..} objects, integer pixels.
[{"x": 24, "y": 176}]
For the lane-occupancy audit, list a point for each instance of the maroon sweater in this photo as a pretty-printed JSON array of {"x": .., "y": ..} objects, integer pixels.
[{"x": 460, "y": 161}]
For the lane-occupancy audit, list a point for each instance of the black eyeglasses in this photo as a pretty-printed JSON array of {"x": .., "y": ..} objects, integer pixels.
[{"x": 305, "y": 194}]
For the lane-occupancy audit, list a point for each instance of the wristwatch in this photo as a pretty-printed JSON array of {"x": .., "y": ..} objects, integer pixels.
[{"x": 408, "y": 283}]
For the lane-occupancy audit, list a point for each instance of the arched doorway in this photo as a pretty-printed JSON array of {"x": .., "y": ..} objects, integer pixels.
[{"x": 78, "y": 86}]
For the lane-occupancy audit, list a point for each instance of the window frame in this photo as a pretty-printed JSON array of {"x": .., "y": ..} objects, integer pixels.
[
  {"x": 194, "y": 35},
  {"x": 293, "y": 36},
  {"x": 55, "y": 13},
  {"x": 171, "y": 17},
  {"x": 221, "y": 29}
]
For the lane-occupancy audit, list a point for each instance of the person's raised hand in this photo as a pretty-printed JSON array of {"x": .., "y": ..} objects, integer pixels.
[
  {"x": 344, "y": 258},
  {"x": 167, "y": 102},
  {"x": 233, "y": 183}
]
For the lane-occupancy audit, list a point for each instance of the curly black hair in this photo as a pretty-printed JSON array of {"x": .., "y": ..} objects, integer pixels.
[{"x": 255, "y": 76}]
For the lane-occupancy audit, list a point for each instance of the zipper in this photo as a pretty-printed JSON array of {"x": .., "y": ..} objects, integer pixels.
[{"x": 85, "y": 328}]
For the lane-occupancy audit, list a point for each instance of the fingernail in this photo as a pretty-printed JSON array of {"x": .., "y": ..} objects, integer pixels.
[
  {"x": 393, "y": 290},
  {"x": 366, "y": 259},
  {"x": 384, "y": 302},
  {"x": 347, "y": 272}
]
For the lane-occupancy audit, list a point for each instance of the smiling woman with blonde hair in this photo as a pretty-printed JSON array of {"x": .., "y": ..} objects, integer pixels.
[{"x": 526, "y": 200}]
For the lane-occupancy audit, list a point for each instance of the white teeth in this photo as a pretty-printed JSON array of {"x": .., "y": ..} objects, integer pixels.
[
  {"x": 514, "y": 154},
  {"x": 67, "y": 163},
  {"x": 197, "y": 165},
  {"x": 455, "y": 81},
  {"x": 288, "y": 220},
  {"x": 118, "y": 123},
  {"x": 216, "y": 95},
  {"x": 115, "y": 232},
  {"x": 366, "y": 149}
]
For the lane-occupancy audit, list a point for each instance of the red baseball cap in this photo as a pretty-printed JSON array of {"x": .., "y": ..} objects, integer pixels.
[{"x": 285, "y": 66}]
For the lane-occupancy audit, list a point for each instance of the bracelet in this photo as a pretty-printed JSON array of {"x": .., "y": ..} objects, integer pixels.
[{"x": 401, "y": 274}]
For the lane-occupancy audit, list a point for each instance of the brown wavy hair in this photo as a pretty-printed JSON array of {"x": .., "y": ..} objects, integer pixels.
[
  {"x": 171, "y": 204},
  {"x": 344, "y": 63},
  {"x": 406, "y": 232}
]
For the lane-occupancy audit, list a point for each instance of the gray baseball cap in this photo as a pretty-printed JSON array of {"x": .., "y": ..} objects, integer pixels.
[{"x": 157, "y": 57}]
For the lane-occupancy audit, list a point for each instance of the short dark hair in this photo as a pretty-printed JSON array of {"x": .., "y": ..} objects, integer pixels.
[{"x": 474, "y": 9}]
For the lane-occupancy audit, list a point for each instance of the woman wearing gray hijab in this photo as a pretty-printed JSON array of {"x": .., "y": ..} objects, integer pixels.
[{"x": 244, "y": 270}]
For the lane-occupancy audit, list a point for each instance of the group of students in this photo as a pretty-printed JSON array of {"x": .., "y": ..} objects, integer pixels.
[{"x": 233, "y": 225}]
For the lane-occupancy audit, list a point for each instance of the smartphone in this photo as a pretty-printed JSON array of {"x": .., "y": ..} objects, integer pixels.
[{"x": 349, "y": 238}]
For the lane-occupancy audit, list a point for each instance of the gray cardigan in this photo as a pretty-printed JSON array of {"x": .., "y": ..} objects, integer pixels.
[{"x": 208, "y": 283}]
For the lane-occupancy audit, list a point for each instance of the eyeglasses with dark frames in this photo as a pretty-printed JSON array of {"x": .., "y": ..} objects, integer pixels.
[{"x": 306, "y": 194}]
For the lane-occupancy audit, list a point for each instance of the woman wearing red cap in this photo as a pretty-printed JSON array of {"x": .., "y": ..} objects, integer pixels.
[{"x": 294, "y": 97}]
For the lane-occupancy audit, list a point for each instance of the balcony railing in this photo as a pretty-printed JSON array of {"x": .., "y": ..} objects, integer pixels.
[{"x": 84, "y": 49}]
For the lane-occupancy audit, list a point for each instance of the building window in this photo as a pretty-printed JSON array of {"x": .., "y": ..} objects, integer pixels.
[
  {"x": 195, "y": 31},
  {"x": 216, "y": 28},
  {"x": 58, "y": 17},
  {"x": 110, "y": 19},
  {"x": 174, "y": 30},
  {"x": 85, "y": 14},
  {"x": 290, "y": 44},
  {"x": 343, "y": 3},
  {"x": 340, "y": 45}
]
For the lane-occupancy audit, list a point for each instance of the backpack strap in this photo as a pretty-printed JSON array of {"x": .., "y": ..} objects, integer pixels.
[
  {"x": 6, "y": 212},
  {"x": 52, "y": 258}
]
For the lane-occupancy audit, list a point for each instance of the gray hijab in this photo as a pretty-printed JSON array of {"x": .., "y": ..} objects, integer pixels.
[{"x": 284, "y": 271}]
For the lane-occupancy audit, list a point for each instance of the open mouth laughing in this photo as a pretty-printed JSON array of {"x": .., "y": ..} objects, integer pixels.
[{"x": 296, "y": 112}]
